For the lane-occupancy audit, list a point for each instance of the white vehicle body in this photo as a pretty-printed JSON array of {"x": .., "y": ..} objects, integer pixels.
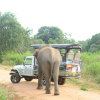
[{"x": 29, "y": 67}]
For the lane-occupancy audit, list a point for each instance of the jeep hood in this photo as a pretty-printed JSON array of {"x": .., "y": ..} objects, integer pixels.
[{"x": 18, "y": 67}]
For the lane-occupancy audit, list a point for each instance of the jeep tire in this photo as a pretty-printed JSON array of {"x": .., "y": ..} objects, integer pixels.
[
  {"x": 15, "y": 78},
  {"x": 28, "y": 78},
  {"x": 61, "y": 81}
]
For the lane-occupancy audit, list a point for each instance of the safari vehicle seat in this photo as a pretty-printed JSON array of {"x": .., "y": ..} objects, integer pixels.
[
  {"x": 70, "y": 55},
  {"x": 77, "y": 56}
]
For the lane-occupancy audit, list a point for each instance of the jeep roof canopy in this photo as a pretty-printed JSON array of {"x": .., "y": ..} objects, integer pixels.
[{"x": 59, "y": 46}]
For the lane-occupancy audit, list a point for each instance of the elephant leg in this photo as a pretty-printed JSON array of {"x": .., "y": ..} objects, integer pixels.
[
  {"x": 48, "y": 85},
  {"x": 40, "y": 76},
  {"x": 48, "y": 81},
  {"x": 55, "y": 77}
]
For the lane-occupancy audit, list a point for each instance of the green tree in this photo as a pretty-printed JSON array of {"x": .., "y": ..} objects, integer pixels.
[
  {"x": 12, "y": 35},
  {"x": 52, "y": 35},
  {"x": 84, "y": 45},
  {"x": 94, "y": 48},
  {"x": 91, "y": 45},
  {"x": 36, "y": 41},
  {"x": 94, "y": 43}
]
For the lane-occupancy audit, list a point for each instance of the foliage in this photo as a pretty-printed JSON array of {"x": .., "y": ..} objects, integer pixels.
[
  {"x": 94, "y": 47},
  {"x": 34, "y": 40},
  {"x": 84, "y": 89},
  {"x": 14, "y": 58},
  {"x": 95, "y": 39},
  {"x": 84, "y": 45},
  {"x": 91, "y": 45},
  {"x": 83, "y": 84},
  {"x": 12, "y": 35},
  {"x": 45, "y": 33},
  {"x": 98, "y": 79},
  {"x": 94, "y": 43},
  {"x": 91, "y": 66},
  {"x": 52, "y": 35}
]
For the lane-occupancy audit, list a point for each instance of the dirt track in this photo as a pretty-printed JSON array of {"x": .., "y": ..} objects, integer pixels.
[{"x": 28, "y": 91}]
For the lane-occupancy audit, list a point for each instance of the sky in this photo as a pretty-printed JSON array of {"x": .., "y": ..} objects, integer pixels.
[{"x": 80, "y": 18}]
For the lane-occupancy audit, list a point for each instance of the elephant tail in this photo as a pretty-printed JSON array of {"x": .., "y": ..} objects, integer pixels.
[{"x": 51, "y": 69}]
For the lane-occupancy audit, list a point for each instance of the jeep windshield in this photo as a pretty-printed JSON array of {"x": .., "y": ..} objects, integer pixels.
[{"x": 28, "y": 61}]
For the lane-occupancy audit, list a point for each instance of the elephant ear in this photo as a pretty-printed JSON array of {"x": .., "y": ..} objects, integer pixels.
[{"x": 36, "y": 52}]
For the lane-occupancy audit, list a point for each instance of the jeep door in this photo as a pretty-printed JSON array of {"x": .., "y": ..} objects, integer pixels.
[{"x": 28, "y": 71}]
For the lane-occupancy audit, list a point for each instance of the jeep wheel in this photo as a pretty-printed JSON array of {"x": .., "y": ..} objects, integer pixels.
[
  {"x": 28, "y": 78},
  {"x": 61, "y": 81},
  {"x": 15, "y": 78}
]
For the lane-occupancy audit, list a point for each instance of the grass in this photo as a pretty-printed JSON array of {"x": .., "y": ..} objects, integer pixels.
[
  {"x": 83, "y": 88},
  {"x": 6, "y": 93},
  {"x": 83, "y": 84},
  {"x": 91, "y": 67},
  {"x": 12, "y": 58}
]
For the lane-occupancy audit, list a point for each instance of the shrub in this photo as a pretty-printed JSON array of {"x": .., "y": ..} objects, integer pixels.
[
  {"x": 12, "y": 58},
  {"x": 0, "y": 58},
  {"x": 91, "y": 65},
  {"x": 84, "y": 89},
  {"x": 97, "y": 79}
]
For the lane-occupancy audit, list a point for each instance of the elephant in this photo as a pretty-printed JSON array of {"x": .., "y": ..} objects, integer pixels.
[{"x": 49, "y": 60}]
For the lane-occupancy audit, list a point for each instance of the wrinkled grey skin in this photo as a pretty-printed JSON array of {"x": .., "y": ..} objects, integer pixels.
[{"x": 49, "y": 60}]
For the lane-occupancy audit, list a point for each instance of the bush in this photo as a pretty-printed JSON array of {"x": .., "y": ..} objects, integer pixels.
[
  {"x": 97, "y": 79},
  {"x": 91, "y": 66},
  {"x": 1, "y": 58},
  {"x": 13, "y": 58},
  {"x": 94, "y": 69},
  {"x": 84, "y": 89}
]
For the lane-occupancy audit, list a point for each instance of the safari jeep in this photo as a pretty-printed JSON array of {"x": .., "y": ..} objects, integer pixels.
[{"x": 70, "y": 66}]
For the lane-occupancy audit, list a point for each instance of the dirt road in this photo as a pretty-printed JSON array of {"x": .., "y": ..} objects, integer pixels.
[{"x": 28, "y": 91}]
